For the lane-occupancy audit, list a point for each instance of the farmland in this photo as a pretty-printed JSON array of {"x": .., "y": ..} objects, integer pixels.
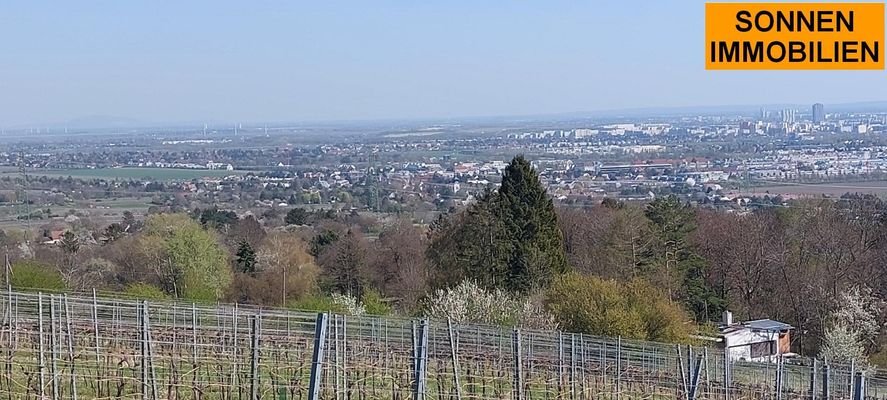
[
  {"x": 160, "y": 174},
  {"x": 878, "y": 188},
  {"x": 101, "y": 211}
]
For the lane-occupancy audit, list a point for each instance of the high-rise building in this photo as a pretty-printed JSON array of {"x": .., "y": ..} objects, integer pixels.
[
  {"x": 818, "y": 113},
  {"x": 788, "y": 115}
]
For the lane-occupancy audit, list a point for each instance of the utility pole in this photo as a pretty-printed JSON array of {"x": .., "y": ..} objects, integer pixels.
[
  {"x": 7, "y": 269},
  {"x": 670, "y": 257},
  {"x": 283, "y": 292},
  {"x": 27, "y": 203},
  {"x": 377, "y": 178}
]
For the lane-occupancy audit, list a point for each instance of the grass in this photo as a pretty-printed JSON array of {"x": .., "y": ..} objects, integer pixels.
[
  {"x": 121, "y": 203},
  {"x": 101, "y": 211},
  {"x": 834, "y": 189}
]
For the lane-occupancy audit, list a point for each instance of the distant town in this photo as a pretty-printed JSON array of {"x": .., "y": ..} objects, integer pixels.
[{"x": 723, "y": 161}]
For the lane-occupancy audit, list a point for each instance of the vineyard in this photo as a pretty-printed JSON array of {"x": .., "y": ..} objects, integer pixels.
[{"x": 86, "y": 347}]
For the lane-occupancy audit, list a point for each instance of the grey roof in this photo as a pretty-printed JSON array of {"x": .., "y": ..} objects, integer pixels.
[{"x": 767, "y": 325}]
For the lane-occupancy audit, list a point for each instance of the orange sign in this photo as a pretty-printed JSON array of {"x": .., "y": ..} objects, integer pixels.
[{"x": 786, "y": 36}]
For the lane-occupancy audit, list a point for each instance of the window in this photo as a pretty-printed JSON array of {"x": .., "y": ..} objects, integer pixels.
[{"x": 761, "y": 349}]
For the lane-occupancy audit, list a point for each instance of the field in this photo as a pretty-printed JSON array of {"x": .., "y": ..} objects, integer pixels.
[
  {"x": 161, "y": 174},
  {"x": 53, "y": 346},
  {"x": 99, "y": 211},
  {"x": 878, "y": 188}
]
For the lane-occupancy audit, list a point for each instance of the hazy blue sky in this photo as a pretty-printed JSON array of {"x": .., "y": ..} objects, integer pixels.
[{"x": 325, "y": 60}]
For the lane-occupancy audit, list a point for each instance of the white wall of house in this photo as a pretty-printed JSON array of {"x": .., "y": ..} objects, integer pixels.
[{"x": 738, "y": 344}]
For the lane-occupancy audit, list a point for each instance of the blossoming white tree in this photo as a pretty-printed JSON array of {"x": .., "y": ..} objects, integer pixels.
[
  {"x": 469, "y": 303},
  {"x": 853, "y": 326},
  {"x": 349, "y": 304}
]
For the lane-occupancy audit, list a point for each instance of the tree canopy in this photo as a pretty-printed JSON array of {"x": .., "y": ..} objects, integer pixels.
[
  {"x": 674, "y": 264},
  {"x": 509, "y": 239},
  {"x": 189, "y": 259}
]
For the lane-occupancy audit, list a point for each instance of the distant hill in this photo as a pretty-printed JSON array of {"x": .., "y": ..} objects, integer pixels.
[{"x": 102, "y": 122}]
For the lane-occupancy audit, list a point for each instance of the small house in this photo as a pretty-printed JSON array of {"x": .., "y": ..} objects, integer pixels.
[
  {"x": 761, "y": 340},
  {"x": 53, "y": 236}
]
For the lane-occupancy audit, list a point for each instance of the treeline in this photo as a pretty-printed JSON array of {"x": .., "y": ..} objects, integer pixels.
[
  {"x": 816, "y": 264},
  {"x": 659, "y": 271}
]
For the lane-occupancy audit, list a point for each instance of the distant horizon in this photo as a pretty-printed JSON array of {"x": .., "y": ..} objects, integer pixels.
[{"x": 124, "y": 122}]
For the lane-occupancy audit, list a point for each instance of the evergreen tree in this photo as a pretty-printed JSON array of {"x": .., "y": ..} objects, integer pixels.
[
  {"x": 246, "y": 258},
  {"x": 214, "y": 217},
  {"x": 114, "y": 231},
  {"x": 508, "y": 239},
  {"x": 70, "y": 243},
  {"x": 482, "y": 245},
  {"x": 673, "y": 220},
  {"x": 296, "y": 216},
  {"x": 321, "y": 241},
  {"x": 673, "y": 262},
  {"x": 129, "y": 223},
  {"x": 536, "y": 242},
  {"x": 699, "y": 296}
]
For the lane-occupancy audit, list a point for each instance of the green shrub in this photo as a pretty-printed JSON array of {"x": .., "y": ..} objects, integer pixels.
[
  {"x": 318, "y": 303},
  {"x": 144, "y": 291},
  {"x": 634, "y": 310},
  {"x": 664, "y": 320},
  {"x": 32, "y": 275},
  {"x": 375, "y": 304},
  {"x": 371, "y": 304}
]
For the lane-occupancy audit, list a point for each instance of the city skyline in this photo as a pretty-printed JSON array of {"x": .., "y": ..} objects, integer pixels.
[{"x": 748, "y": 110}]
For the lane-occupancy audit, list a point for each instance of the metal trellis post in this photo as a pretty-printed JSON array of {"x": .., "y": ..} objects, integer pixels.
[
  {"x": 813, "y": 380},
  {"x": 53, "y": 346},
  {"x": 42, "y": 358},
  {"x": 726, "y": 374},
  {"x": 320, "y": 328},
  {"x": 859, "y": 386},
  {"x": 518, "y": 365},
  {"x": 70, "y": 340},
  {"x": 454, "y": 354},
  {"x": 421, "y": 361},
  {"x": 254, "y": 368}
]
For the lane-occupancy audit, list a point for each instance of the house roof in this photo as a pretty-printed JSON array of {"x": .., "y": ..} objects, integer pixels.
[
  {"x": 767, "y": 325},
  {"x": 757, "y": 325}
]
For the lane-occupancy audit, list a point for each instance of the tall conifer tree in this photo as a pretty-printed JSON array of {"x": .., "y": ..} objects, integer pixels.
[
  {"x": 509, "y": 239},
  {"x": 536, "y": 243}
]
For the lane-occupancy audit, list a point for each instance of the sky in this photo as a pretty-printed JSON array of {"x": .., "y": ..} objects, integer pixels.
[{"x": 248, "y": 61}]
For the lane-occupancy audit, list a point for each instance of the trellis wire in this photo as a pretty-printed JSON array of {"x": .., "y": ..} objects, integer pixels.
[{"x": 104, "y": 348}]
